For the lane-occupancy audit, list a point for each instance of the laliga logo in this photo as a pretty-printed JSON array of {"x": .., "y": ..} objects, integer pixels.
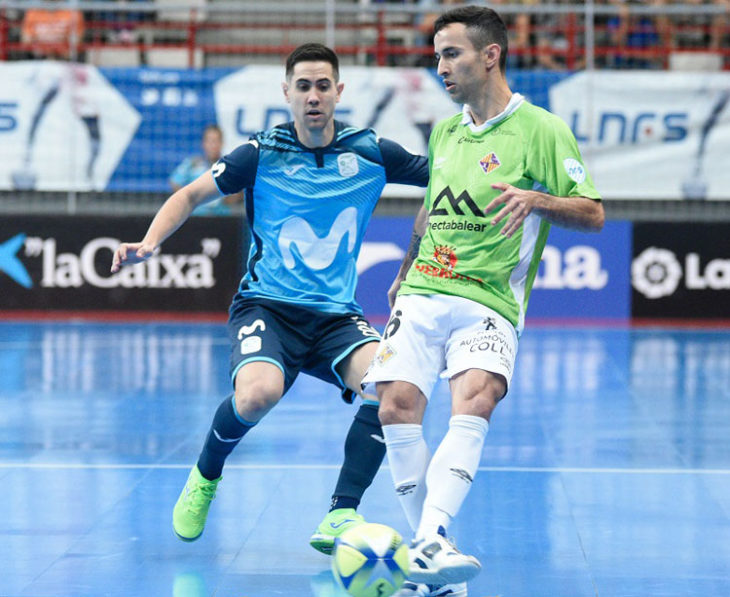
[{"x": 656, "y": 273}]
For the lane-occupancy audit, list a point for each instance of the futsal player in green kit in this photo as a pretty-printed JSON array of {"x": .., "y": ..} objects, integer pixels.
[{"x": 501, "y": 172}]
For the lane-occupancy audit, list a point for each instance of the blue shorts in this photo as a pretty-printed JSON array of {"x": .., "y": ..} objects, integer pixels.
[{"x": 295, "y": 339}]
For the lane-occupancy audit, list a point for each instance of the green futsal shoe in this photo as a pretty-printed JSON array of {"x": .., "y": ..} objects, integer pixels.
[
  {"x": 191, "y": 509},
  {"x": 333, "y": 525}
]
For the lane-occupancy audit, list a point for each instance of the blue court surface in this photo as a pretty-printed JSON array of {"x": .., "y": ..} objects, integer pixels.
[{"x": 606, "y": 471}]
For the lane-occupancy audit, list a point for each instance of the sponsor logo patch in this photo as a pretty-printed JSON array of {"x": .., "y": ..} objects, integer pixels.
[
  {"x": 445, "y": 256},
  {"x": 384, "y": 354},
  {"x": 575, "y": 170}
]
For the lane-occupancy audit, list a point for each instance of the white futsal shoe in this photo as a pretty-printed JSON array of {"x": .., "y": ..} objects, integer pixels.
[{"x": 436, "y": 561}]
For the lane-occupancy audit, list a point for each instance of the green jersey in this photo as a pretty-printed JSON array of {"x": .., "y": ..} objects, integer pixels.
[{"x": 461, "y": 253}]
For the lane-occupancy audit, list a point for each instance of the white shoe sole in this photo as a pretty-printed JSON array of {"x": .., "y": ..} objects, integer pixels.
[{"x": 444, "y": 576}]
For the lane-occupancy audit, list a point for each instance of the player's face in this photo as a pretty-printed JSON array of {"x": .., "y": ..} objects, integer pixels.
[
  {"x": 313, "y": 94},
  {"x": 461, "y": 66}
]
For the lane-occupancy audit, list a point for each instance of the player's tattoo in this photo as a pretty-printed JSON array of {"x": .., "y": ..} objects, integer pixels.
[{"x": 414, "y": 245}]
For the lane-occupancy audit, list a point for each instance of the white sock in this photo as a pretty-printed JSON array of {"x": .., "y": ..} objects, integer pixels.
[
  {"x": 408, "y": 457},
  {"x": 452, "y": 471}
]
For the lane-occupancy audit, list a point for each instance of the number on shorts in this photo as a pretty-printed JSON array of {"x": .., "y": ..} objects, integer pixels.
[{"x": 393, "y": 324}]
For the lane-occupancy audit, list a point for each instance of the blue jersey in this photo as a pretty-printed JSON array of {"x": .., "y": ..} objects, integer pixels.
[{"x": 308, "y": 209}]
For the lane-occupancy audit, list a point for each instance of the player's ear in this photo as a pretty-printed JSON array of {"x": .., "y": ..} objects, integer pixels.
[
  {"x": 340, "y": 87},
  {"x": 490, "y": 55},
  {"x": 285, "y": 89}
]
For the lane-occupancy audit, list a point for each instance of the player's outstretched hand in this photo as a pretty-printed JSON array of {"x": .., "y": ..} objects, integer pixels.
[
  {"x": 516, "y": 206},
  {"x": 131, "y": 253}
]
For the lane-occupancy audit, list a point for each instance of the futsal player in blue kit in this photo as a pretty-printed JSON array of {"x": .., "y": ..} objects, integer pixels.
[{"x": 311, "y": 186}]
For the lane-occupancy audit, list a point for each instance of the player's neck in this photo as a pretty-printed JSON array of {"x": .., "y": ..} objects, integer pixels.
[
  {"x": 313, "y": 138},
  {"x": 491, "y": 102}
]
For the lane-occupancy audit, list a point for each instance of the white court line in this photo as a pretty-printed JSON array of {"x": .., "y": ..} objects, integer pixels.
[{"x": 495, "y": 469}]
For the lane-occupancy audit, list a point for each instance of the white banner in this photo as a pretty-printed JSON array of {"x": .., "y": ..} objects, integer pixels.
[
  {"x": 62, "y": 125},
  {"x": 401, "y": 104},
  {"x": 651, "y": 135}
]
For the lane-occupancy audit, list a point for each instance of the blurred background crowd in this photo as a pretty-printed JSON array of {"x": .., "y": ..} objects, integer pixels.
[{"x": 547, "y": 34}]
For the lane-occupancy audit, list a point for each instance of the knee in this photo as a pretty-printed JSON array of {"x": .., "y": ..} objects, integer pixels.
[
  {"x": 254, "y": 399},
  {"x": 399, "y": 406}
]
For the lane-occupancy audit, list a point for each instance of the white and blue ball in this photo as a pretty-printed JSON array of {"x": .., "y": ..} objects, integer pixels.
[{"x": 370, "y": 560}]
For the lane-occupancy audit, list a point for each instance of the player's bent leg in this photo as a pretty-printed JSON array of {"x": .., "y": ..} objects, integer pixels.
[
  {"x": 191, "y": 510},
  {"x": 364, "y": 453},
  {"x": 259, "y": 387}
]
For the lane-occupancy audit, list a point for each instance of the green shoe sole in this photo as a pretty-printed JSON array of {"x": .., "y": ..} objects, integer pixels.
[
  {"x": 323, "y": 543},
  {"x": 186, "y": 539}
]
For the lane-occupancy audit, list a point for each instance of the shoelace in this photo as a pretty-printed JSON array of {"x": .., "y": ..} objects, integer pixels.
[
  {"x": 193, "y": 502},
  {"x": 450, "y": 540}
]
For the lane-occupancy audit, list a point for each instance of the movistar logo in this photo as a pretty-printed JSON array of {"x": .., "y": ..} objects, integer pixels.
[
  {"x": 10, "y": 264},
  {"x": 317, "y": 253}
]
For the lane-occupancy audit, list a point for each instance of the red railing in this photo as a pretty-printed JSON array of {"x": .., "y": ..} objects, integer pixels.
[{"x": 383, "y": 50}]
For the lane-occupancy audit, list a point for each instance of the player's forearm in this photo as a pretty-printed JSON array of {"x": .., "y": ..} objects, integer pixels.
[
  {"x": 419, "y": 229},
  {"x": 170, "y": 217},
  {"x": 578, "y": 213}
]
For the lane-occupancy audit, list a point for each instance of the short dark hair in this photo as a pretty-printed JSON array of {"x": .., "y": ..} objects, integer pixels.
[
  {"x": 313, "y": 52},
  {"x": 483, "y": 27}
]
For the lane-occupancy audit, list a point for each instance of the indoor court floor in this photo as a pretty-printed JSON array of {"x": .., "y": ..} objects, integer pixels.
[{"x": 606, "y": 470}]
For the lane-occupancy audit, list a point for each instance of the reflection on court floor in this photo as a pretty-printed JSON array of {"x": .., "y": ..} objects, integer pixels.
[{"x": 606, "y": 470}]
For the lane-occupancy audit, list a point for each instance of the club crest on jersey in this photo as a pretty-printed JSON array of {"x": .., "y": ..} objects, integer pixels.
[
  {"x": 347, "y": 164},
  {"x": 490, "y": 162},
  {"x": 445, "y": 256}
]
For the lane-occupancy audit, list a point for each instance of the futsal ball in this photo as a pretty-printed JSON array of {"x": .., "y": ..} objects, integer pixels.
[{"x": 370, "y": 560}]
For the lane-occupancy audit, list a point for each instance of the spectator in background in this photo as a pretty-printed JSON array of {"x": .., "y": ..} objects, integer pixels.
[
  {"x": 694, "y": 30},
  {"x": 521, "y": 33},
  {"x": 117, "y": 26},
  {"x": 52, "y": 33},
  {"x": 635, "y": 38},
  {"x": 424, "y": 23},
  {"x": 192, "y": 167},
  {"x": 551, "y": 39}
]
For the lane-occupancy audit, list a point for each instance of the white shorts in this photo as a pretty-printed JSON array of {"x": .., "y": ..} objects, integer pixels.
[{"x": 437, "y": 335}]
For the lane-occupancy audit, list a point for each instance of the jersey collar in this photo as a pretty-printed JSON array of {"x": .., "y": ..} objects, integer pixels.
[
  {"x": 514, "y": 103},
  {"x": 342, "y": 130}
]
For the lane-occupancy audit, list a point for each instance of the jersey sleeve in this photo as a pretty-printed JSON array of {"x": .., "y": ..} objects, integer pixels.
[
  {"x": 554, "y": 161},
  {"x": 402, "y": 166},
  {"x": 237, "y": 170}
]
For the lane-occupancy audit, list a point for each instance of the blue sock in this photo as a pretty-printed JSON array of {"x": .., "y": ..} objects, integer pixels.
[
  {"x": 363, "y": 457},
  {"x": 225, "y": 432}
]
